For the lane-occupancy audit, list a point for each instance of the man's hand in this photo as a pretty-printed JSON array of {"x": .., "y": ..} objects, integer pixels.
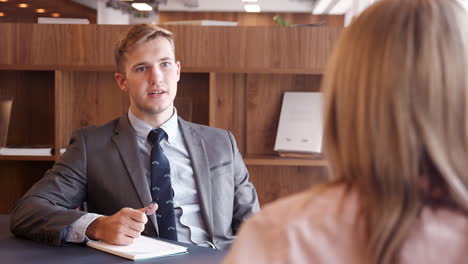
[{"x": 121, "y": 228}]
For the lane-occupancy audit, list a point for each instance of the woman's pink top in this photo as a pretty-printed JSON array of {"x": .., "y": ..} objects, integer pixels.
[{"x": 323, "y": 229}]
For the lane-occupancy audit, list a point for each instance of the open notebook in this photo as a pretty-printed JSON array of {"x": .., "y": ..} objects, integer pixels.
[{"x": 142, "y": 248}]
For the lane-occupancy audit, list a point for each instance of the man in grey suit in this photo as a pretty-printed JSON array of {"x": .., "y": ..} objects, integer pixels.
[{"x": 109, "y": 167}]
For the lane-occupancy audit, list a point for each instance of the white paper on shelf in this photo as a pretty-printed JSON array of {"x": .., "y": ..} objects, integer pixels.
[
  {"x": 300, "y": 127},
  {"x": 26, "y": 151}
]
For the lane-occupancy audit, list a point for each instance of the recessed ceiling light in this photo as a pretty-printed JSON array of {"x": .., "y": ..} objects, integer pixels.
[
  {"x": 142, "y": 7},
  {"x": 252, "y": 8},
  {"x": 55, "y": 14},
  {"x": 40, "y": 10},
  {"x": 250, "y": 1},
  {"x": 1, "y": 13},
  {"x": 3, "y": 0},
  {"x": 23, "y": 5}
]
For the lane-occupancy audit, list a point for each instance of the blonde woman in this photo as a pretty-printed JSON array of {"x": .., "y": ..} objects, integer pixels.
[{"x": 396, "y": 126}]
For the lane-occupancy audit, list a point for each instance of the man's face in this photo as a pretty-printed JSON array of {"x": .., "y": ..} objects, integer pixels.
[{"x": 150, "y": 79}]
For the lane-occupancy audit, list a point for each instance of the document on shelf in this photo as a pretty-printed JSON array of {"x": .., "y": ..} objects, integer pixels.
[
  {"x": 25, "y": 151},
  {"x": 300, "y": 127},
  {"x": 142, "y": 248},
  {"x": 5, "y": 111}
]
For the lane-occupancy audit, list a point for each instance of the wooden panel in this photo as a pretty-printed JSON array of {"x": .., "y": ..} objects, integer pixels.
[
  {"x": 32, "y": 115},
  {"x": 88, "y": 98},
  {"x": 107, "y": 35},
  {"x": 255, "y": 49},
  {"x": 80, "y": 46},
  {"x": 264, "y": 97},
  {"x": 227, "y": 105},
  {"x": 200, "y": 49},
  {"x": 253, "y": 19},
  {"x": 194, "y": 88},
  {"x": 91, "y": 45},
  {"x": 66, "y": 8},
  {"x": 16, "y": 177},
  {"x": 31, "y": 44},
  {"x": 274, "y": 182}
]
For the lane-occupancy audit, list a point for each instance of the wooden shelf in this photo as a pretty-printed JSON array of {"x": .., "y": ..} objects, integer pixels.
[
  {"x": 26, "y": 158},
  {"x": 271, "y": 160}
]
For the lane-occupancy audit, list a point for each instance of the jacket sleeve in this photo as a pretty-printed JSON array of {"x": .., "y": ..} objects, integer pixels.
[
  {"x": 46, "y": 211},
  {"x": 245, "y": 195}
]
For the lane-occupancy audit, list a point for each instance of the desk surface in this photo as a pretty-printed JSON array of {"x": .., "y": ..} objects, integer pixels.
[{"x": 16, "y": 250}]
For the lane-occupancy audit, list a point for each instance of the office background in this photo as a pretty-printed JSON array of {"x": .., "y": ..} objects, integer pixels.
[{"x": 61, "y": 76}]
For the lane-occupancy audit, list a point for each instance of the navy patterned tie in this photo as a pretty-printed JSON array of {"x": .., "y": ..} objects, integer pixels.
[{"x": 161, "y": 188}]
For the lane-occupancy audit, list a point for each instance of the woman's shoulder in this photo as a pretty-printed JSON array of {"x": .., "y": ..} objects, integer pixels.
[
  {"x": 309, "y": 227},
  {"x": 323, "y": 201},
  {"x": 439, "y": 235}
]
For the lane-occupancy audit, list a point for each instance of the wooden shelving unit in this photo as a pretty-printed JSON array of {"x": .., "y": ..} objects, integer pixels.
[
  {"x": 269, "y": 160},
  {"x": 27, "y": 158},
  {"x": 61, "y": 78}
]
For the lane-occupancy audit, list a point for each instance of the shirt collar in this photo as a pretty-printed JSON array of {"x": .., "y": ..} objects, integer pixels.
[{"x": 142, "y": 129}]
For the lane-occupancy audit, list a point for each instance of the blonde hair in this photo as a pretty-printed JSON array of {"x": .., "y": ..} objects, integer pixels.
[
  {"x": 137, "y": 35},
  {"x": 396, "y": 111}
]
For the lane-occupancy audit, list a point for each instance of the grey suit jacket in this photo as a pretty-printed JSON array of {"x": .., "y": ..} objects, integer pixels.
[{"x": 101, "y": 166}]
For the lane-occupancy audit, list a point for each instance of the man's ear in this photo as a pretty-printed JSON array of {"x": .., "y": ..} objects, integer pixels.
[
  {"x": 121, "y": 81},
  {"x": 178, "y": 70}
]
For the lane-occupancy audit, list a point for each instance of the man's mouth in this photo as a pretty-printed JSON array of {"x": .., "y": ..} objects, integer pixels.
[{"x": 156, "y": 92}]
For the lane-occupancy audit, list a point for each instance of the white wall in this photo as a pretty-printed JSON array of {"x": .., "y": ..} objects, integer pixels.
[{"x": 106, "y": 15}]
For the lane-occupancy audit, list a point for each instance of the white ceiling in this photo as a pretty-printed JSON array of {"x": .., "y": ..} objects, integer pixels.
[{"x": 303, "y": 6}]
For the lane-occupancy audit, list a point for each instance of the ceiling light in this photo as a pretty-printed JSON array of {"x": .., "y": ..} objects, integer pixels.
[
  {"x": 1, "y": 13},
  {"x": 252, "y": 8},
  {"x": 40, "y": 10},
  {"x": 23, "y": 5},
  {"x": 142, "y": 7},
  {"x": 3, "y": 0},
  {"x": 55, "y": 14},
  {"x": 250, "y": 1}
]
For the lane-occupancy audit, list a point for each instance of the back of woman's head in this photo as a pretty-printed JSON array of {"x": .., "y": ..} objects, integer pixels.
[{"x": 396, "y": 112}]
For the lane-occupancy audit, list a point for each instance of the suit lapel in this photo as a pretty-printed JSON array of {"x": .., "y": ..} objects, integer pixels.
[
  {"x": 201, "y": 171},
  {"x": 125, "y": 140}
]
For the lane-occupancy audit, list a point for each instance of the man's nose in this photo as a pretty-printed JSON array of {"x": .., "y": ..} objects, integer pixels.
[{"x": 156, "y": 75}]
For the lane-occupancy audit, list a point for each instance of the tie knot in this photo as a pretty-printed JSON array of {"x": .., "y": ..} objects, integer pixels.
[{"x": 156, "y": 135}]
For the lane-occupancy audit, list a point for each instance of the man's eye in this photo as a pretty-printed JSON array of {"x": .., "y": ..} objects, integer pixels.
[
  {"x": 140, "y": 69},
  {"x": 166, "y": 64}
]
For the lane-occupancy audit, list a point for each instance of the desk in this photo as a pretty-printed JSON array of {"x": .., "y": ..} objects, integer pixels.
[{"x": 15, "y": 250}]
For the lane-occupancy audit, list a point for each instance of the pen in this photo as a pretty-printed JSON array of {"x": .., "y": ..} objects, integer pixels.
[{"x": 149, "y": 207}]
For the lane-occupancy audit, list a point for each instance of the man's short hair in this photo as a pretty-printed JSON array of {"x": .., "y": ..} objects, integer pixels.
[{"x": 135, "y": 36}]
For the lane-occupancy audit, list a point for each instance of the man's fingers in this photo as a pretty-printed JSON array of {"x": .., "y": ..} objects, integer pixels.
[
  {"x": 123, "y": 240},
  {"x": 136, "y": 226},
  {"x": 153, "y": 207},
  {"x": 137, "y": 215},
  {"x": 150, "y": 209},
  {"x": 132, "y": 233}
]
